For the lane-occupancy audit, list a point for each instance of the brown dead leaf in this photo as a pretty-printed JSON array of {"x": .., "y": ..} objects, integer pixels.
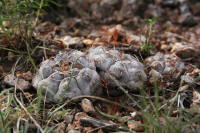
[
  {"x": 27, "y": 75},
  {"x": 65, "y": 67},
  {"x": 115, "y": 35},
  {"x": 113, "y": 110}
]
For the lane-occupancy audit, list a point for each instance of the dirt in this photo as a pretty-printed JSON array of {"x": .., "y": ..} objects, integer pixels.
[{"x": 174, "y": 60}]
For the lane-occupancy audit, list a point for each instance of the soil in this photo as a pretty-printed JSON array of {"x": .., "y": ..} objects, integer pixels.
[{"x": 118, "y": 25}]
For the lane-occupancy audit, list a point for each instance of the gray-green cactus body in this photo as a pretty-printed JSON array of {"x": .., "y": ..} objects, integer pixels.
[{"x": 84, "y": 73}]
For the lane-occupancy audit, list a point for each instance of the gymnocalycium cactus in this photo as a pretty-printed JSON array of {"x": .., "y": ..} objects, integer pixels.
[{"x": 75, "y": 73}]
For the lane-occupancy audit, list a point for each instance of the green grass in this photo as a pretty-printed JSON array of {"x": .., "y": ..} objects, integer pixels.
[
  {"x": 18, "y": 19},
  {"x": 147, "y": 45},
  {"x": 15, "y": 112},
  {"x": 157, "y": 115},
  {"x": 19, "y": 110}
]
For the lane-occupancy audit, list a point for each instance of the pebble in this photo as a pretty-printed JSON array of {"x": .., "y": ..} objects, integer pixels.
[
  {"x": 88, "y": 42},
  {"x": 184, "y": 51},
  {"x": 11, "y": 80},
  {"x": 87, "y": 106},
  {"x": 72, "y": 42},
  {"x": 135, "y": 125},
  {"x": 187, "y": 19}
]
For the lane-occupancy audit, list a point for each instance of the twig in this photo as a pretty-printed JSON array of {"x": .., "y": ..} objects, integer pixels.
[
  {"x": 93, "y": 97},
  {"x": 38, "y": 13},
  {"x": 44, "y": 50},
  {"x": 178, "y": 92},
  {"x": 21, "y": 105}
]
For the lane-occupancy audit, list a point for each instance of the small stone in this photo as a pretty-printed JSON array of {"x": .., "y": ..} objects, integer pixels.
[
  {"x": 132, "y": 37},
  {"x": 80, "y": 115},
  {"x": 164, "y": 47},
  {"x": 196, "y": 97},
  {"x": 155, "y": 74},
  {"x": 74, "y": 42},
  {"x": 11, "y": 80},
  {"x": 187, "y": 19},
  {"x": 184, "y": 51},
  {"x": 154, "y": 10},
  {"x": 88, "y": 42},
  {"x": 87, "y": 106},
  {"x": 158, "y": 66},
  {"x": 135, "y": 125}
]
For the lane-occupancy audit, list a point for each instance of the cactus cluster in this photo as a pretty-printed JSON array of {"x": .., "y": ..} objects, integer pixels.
[{"x": 76, "y": 73}]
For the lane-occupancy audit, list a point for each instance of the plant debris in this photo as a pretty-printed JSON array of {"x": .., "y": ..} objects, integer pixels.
[{"x": 82, "y": 66}]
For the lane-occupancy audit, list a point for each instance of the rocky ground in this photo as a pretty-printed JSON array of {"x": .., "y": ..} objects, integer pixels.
[{"x": 103, "y": 68}]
